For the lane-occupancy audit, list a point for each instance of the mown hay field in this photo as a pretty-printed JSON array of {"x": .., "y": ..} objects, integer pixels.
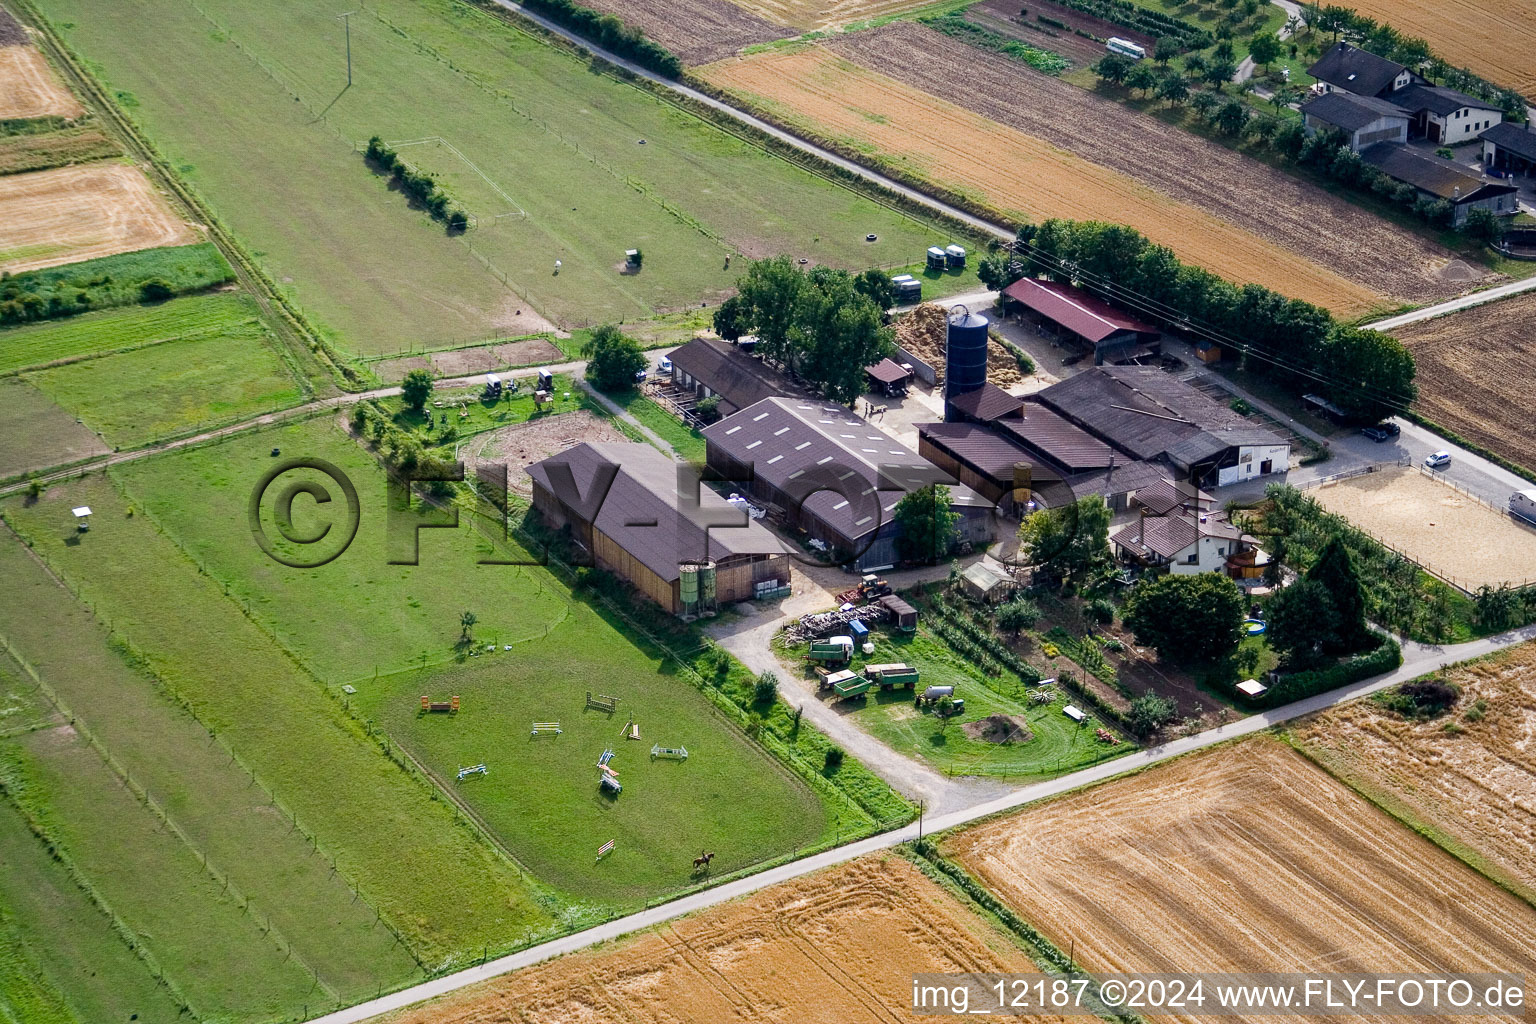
[
  {"x": 29, "y": 88},
  {"x": 900, "y": 127},
  {"x": 1474, "y": 785},
  {"x": 38, "y": 433},
  {"x": 841, "y": 945},
  {"x": 126, "y": 327},
  {"x": 49, "y": 218},
  {"x": 1244, "y": 858},
  {"x": 1494, "y": 38},
  {"x": 1308, "y": 221},
  {"x": 1477, "y": 372}
]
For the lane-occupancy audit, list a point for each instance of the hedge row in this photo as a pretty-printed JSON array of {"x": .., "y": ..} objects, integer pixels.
[
  {"x": 610, "y": 33},
  {"x": 418, "y": 185},
  {"x": 1298, "y": 685},
  {"x": 150, "y": 275},
  {"x": 1142, "y": 19}
]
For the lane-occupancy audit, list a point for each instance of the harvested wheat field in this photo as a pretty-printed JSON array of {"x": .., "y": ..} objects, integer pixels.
[
  {"x": 1452, "y": 534},
  {"x": 1245, "y": 858},
  {"x": 838, "y": 947},
  {"x": 29, "y": 88},
  {"x": 48, "y": 218},
  {"x": 1477, "y": 372},
  {"x": 1494, "y": 38},
  {"x": 698, "y": 31},
  {"x": 1476, "y": 785},
  {"x": 1303, "y": 219},
  {"x": 810, "y": 14},
  {"x": 819, "y": 93}
]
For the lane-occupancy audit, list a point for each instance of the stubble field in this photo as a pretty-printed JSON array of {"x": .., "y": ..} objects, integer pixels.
[
  {"x": 698, "y": 31},
  {"x": 29, "y": 88},
  {"x": 1476, "y": 785},
  {"x": 1244, "y": 858},
  {"x": 1445, "y": 531},
  {"x": 1307, "y": 221},
  {"x": 1495, "y": 38},
  {"x": 49, "y": 218},
  {"x": 1477, "y": 372},
  {"x": 807, "y": 15},
  {"x": 839, "y": 946},
  {"x": 906, "y": 129}
]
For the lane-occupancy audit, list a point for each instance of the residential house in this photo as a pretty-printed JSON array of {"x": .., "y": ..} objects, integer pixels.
[
  {"x": 1188, "y": 541},
  {"x": 1347, "y": 68}
]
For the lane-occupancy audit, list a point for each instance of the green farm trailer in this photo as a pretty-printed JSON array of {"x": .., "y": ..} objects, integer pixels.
[
  {"x": 891, "y": 675},
  {"x": 837, "y": 650},
  {"x": 847, "y": 684}
]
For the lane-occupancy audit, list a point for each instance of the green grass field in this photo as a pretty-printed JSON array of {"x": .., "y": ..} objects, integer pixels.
[
  {"x": 529, "y": 127},
  {"x": 115, "y": 330},
  {"x": 467, "y": 413},
  {"x": 686, "y": 441},
  {"x": 23, "y": 706},
  {"x": 37, "y": 432},
  {"x": 180, "y": 387},
  {"x": 115, "y": 280},
  {"x": 1057, "y": 745}
]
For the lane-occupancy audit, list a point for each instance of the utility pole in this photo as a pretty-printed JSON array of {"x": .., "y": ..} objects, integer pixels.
[{"x": 345, "y": 19}]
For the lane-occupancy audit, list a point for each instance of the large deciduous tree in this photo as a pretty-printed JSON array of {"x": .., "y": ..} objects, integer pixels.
[
  {"x": 1189, "y": 619},
  {"x": 926, "y": 524},
  {"x": 613, "y": 359},
  {"x": 1067, "y": 542}
]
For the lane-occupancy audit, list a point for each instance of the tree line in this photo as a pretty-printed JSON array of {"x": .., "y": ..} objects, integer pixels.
[
  {"x": 823, "y": 325},
  {"x": 1366, "y": 373},
  {"x": 419, "y": 185},
  {"x": 612, "y": 34}
]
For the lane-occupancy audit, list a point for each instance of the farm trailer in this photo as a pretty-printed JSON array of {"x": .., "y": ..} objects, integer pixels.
[
  {"x": 846, "y": 684},
  {"x": 895, "y": 674},
  {"x": 837, "y": 650}
]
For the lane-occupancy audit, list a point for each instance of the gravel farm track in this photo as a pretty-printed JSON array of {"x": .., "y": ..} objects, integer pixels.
[
  {"x": 841, "y": 945},
  {"x": 814, "y": 90},
  {"x": 698, "y": 31},
  {"x": 29, "y": 88},
  {"x": 1477, "y": 373},
  {"x": 1476, "y": 785},
  {"x": 1277, "y": 207},
  {"x": 49, "y": 218},
  {"x": 1493, "y": 38},
  {"x": 1244, "y": 858}
]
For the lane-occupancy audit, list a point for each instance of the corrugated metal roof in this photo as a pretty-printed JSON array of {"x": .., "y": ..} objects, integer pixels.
[
  {"x": 888, "y": 371},
  {"x": 643, "y": 512},
  {"x": 988, "y": 451},
  {"x": 1351, "y": 113},
  {"x": 988, "y": 402},
  {"x": 1074, "y": 309}
]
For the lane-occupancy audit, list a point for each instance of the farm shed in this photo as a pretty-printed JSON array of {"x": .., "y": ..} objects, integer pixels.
[
  {"x": 1444, "y": 115},
  {"x": 621, "y": 503},
  {"x": 833, "y": 475},
  {"x": 1347, "y": 68},
  {"x": 1153, "y": 416},
  {"x": 711, "y": 366},
  {"x": 902, "y": 613},
  {"x": 1365, "y": 120},
  {"x": 888, "y": 378},
  {"x": 1071, "y": 311},
  {"x": 1510, "y": 148},
  {"x": 1441, "y": 179}
]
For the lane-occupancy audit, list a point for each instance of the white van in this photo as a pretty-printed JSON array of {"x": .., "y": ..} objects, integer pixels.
[{"x": 1522, "y": 505}]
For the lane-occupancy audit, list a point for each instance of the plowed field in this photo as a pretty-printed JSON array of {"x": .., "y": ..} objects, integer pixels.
[
  {"x": 1494, "y": 38},
  {"x": 698, "y": 31},
  {"x": 1245, "y": 858},
  {"x": 1304, "y": 219},
  {"x": 48, "y": 218},
  {"x": 1477, "y": 372},
  {"x": 820, "y": 93},
  {"x": 29, "y": 88},
  {"x": 813, "y": 14},
  {"x": 840, "y": 946},
  {"x": 1478, "y": 785}
]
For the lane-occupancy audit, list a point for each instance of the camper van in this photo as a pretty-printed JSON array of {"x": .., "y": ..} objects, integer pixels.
[{"x": 1125, "y": 48}]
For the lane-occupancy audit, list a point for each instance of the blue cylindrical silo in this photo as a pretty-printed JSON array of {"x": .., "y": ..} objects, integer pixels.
[{"x": 965, "y": 355}]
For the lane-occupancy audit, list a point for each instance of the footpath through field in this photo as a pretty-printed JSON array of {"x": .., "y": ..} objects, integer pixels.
[
  {"x": 1417, "y": 660},
  {"x": 1455, "y": 305}
]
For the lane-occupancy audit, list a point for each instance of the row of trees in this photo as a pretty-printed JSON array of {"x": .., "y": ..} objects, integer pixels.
[
  {"x": 610, "y": 33},
  {"x": 824, "y": 325},
  {"x": 1367, "y": 373},
  {"x": 418, "y": 185}
]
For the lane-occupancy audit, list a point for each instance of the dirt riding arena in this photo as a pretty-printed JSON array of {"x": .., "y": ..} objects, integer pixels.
[
  {"x": 823, "y": 94},
  {"x": 1494, "y": 38},
  {"x": 1477, "y": 372},
  {"x": 698, "y": 31},
  {"x": 29, "y": 88},
  {"x": 526, "y": 443},
  {"x": 464, "y": 361},
  {"x": 840, "y": 946},
  {"x": 1476, "y": 785},
  {"x": 1244, "y": 858},
  {"x": 48, "y": 218},
  {"x": 1307, "y": 221},
  {"x": 1452, "y": 534}
]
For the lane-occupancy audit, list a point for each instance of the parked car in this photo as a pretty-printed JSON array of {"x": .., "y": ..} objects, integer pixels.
[
  {"x": 1382, "y": 432},
  {"x": 1438, "y": 460}
]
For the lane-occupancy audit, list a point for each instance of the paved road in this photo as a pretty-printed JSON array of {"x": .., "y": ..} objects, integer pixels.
[
  {"x": 1418, "y": 659},
  {"x": 1455, "y": 305}
]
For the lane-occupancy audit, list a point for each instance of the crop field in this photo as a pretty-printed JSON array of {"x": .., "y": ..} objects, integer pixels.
[
  {"x": 38, "y": 433},
  {"x": 1307, "y": 221},
  {"x": 523, "y": 126},
  {"x": 900, "y": 127},
  {"x": 29, "y": 88},
  {"x": 127, "y": 327},
  {"x": 1494, "y": 38},
  {"x": 277, "y": 719},
  {"x": 1452, "y": 534},
  {"x": 1243, "y": 858},
  {"x": 48, "y": 218},
  {"x": 1004, "y": 17},
  {"x": 1475, "y": 374},
  {"x": 175, "y": 387},
  {"x": 1474, "y": 786},
  {"x": 841, "y": 945},
  {"x": 698, "y": 31},
  {"x": 20, "y": 153},
  {"x": 808, "y": 15}
]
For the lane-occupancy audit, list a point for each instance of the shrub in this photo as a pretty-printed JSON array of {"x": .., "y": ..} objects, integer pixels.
[
  {"x": 708, "y": 410},
  {"x": 1149, "y": 713},
  {"x": 766, "y": 689},
  {"x": 833, "y": 759},
  {"x": 156, "y": 289},
  {"x": 1421, "y": 698}
]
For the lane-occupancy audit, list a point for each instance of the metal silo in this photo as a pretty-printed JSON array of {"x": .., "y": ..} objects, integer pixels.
[{"x": 965, "y": 356}]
